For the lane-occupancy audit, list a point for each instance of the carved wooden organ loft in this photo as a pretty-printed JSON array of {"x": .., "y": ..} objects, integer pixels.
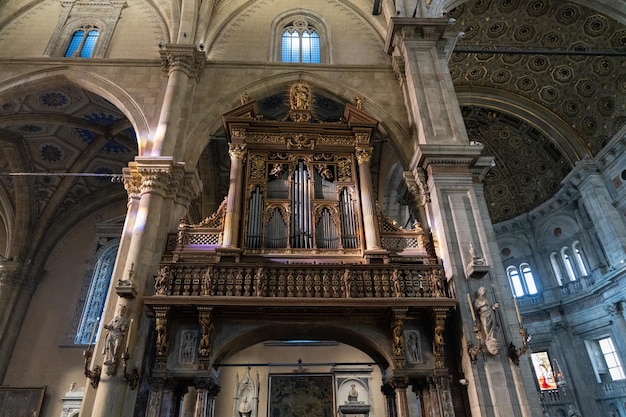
[{"x": 299, "y": 235}]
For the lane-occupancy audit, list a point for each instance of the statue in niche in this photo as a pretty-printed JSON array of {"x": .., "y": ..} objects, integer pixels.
[
  {"x": 353, "y": 394},
  {"x": 347, "y": 282},
  {"x": 413, "y": 347},
  {"x": 245, "y": 408},
  {"x": 485, "y": 311},
  {"x": 186, "y": 354},
  {"x": 116, "y": 330}
]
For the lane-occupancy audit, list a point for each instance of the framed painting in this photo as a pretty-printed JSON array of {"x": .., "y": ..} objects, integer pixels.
[
  {"x": 21, "y": 402},
  {"x": 301, "y": 395},
  {"x": 543, "y": 371}
]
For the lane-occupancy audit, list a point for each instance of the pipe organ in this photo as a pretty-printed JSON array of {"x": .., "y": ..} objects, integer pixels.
[{"x": 298, "y": 248}]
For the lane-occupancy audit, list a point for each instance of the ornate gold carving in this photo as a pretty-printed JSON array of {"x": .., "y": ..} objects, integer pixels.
[
  {"x": 300, "y": 141},
  {"x": 300, "y": 97},
  {"x": 438, "y": 339},
  {"x": 364, "y": 154},
  {"x": 362, "y": 138},
  {"x": 344, "y": 165},
  {"x": 161, "y": 313},
  {"x": 236, "y": 151},
  {"x": 257, "y": 165},
  {"x": 205, "y": 319},
  {"x": 335, "y": 140},
  {"x": 397, "y": 330}
]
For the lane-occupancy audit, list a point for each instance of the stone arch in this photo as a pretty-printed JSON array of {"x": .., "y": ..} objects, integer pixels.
[
  {"x": 371, "y": 345},
  {"x": 96, "y": 84},
  {"x": 563, "y": 136},
  {"x": 211, "y": 121}
]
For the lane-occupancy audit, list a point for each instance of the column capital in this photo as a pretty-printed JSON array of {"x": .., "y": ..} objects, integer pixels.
[
  {"x": 364, "y": 154},
  {"x": 402, "y": 29},
  {"x": 237, "y": 151},
  {"x": 185, "y": 58},
  {"x": 162, "y": 176}
]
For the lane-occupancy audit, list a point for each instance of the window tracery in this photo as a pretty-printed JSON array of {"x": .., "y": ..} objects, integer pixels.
[{"x": 300, "y": 38}]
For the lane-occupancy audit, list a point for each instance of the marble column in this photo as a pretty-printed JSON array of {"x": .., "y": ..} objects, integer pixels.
[
  {"x": 402, "y": 406},
  {"x": 370, "y": 221},
  {"x": 183, "y": 63},
  {"x": 153, "y": 184},
  {"x": 233, "y": 203},
  {"x": 206, "y": 391}
]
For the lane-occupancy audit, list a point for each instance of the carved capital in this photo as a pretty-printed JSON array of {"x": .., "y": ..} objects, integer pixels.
[
  {"x": 185, "y": 58},
  {"x": 364, "y": 154},
  {"x": 132, "y": 183},
  {"x": 236, "y": 151}
]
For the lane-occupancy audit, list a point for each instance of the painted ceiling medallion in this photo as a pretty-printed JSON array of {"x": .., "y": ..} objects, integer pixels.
[{"x": 54, "y": 99}]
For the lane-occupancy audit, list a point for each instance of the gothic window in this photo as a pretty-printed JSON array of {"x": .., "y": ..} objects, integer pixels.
[
  {"x": 94, "y": 303},
  {"x": 83, "y": 42},
  {"x": 300, "y": 39},
  {"x": 300, "y": 43},
  {"x": 84, "y": 32}
]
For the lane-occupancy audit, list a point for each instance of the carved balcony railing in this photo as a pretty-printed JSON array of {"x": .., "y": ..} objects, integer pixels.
[{"x": 310, "y": 281}]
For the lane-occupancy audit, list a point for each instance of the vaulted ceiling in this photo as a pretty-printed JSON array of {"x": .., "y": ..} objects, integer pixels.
[{"x": 541, "y": 84}]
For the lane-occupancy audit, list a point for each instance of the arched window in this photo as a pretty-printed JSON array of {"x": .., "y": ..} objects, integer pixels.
[
  {"x": 94, "y": 303},
  {"x": 580, "y": 258},
  {"x": 300, "y": 43},
  {"x": 569, "y": 263},
  {"x": 529, "y": 279},
  {"x": 522, "y": 280},
  {"x": 516, "y": 282},
  {"x": 300, "y": 37},
  {"x": 556, "y": 268},
  {"x": 83, "y": 42}
]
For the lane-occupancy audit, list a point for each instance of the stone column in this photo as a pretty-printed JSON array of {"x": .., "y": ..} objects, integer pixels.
[
  {"x": 233, "y": 203},
  {"x": 442, "y": 386},
  {"x": 461, "y": 224},
  {"x": 16, "y": 289},
  {"x": 402, "y": 406},
  {"x": 156, "y": 182},
  {"x": 389, "y": 393},
  {"x": 181, "y": 63},
  {"x": 370, "y": 221},
  {"x": 606, "y": 219},
  {"x": 206, "y": 391}
]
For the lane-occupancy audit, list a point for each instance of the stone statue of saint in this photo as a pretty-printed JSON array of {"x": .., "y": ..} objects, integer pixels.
[
  {"x": 485, "y": 312},
  {"x": 116, "y": 329},
  {"x": 245, "y": 408}
]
